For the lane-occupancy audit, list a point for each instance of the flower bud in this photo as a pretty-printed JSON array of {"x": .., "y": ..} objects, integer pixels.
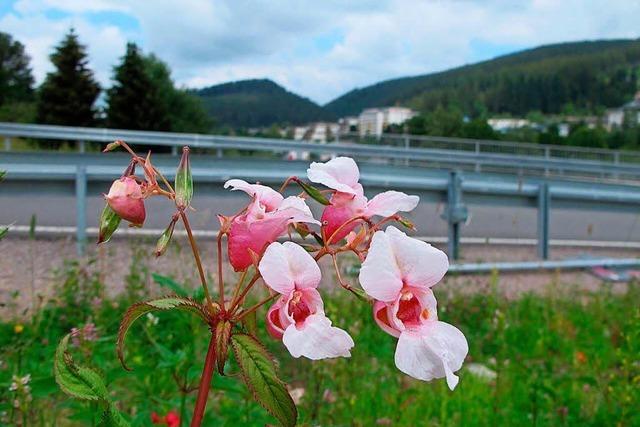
[
  {"x": 163, "y": 241},
  {"x": 109, "y": 222},
  {"x": 184, "y": 180},
  {"x": 222, "y": 334},
  {"x": 126, "y": 200}
]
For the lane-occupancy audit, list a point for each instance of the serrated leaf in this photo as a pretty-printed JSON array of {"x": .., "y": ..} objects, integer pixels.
[
  {"x": 79, "y": 382},
  {"x": 159, "y": 304},
  {"x": 313, "y": 192},
  {"x": 259, "y": 373},
  {"x": 111, "y": 417},
  {"x": 250, "y": 323},
  {"x": 109, "y": 222}
]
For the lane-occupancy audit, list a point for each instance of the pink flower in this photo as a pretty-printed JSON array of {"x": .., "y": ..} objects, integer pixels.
[
  {"x": 399, "y": 272},
  {"x": 125, "y": 198},
  {"x": 265, "y": 219},
  {"x": 348, "y": 201},
  {"x": 298, "y": 316}
]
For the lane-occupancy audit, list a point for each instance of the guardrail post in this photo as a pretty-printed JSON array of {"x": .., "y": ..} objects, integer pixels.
[
  {"x": 81, "y": 147},
  {"x": 81, "y": 208},
  {"x": 174, "y": 150},
  {"x": 616, "y": 162},
  {"x": 7, "y": 144},
  {"x": 544, "y": 200},
  {"x": 547, "y": 155},
  {"x": 455, "y": 214},
  {"x": 407, "y": 145},
  {"x": 477, "y": 150}
]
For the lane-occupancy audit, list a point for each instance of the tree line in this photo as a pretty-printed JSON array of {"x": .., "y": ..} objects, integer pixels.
[{"x": 142, "y": 96}]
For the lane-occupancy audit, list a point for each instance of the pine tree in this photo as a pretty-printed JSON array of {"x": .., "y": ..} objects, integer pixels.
[
  {"x": 16, "y": 80},
  {"x": 135, "y": 101},
  {"x": 68, "y": 94}
]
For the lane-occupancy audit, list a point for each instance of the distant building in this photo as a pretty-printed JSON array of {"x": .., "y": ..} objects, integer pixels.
[
  {"x": 629, "y": 112},
  {"x": 348, "y": 124},
  {"x": 373, "y": 121},
  {"x": 507, "y": 123}
]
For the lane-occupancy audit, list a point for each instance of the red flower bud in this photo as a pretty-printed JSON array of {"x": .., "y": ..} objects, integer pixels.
[
  {"x": 172, "y": 419},
  {"x": 125, "y": 198}
]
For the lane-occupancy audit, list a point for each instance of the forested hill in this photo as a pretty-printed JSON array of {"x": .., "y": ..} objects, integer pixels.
[
  {"x": 583, "y": 76},
  {"x": 257, "y": 103}
]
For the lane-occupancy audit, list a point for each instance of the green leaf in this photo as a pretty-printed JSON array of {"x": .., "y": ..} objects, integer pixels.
[
  {"x": 79, "y": 382},
  {"x": 3, "y": 232},
  {"x": 184, "y": 181},
  {"x": 168, "y": 282},
  {"x": 109, "y": 222},
  {"x": 250, "y": 323},
  {"x": 2, "y": 175},
  {"x": 313, "y": 192},
  {"x": 159, "y": 304},
  {"x": 111, "y": 417},
  {"x": 259, "y": 373}
]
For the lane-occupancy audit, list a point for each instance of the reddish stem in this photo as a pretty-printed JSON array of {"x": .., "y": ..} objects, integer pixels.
[{"x": 205, "y": 383}]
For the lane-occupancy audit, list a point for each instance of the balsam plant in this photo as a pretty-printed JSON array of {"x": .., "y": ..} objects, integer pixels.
[{"x": 396, "y": 278}]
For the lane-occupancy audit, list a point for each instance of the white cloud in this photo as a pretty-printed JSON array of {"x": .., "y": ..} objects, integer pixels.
[{"x": 207, "y": 42}]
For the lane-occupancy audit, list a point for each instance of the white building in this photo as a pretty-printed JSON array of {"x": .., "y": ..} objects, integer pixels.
[
  {"x": 505, "y": 124},
  {"x": 373, "y": 121}
]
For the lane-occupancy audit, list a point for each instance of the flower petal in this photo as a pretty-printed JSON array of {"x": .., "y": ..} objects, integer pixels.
[
  {"x": 341, "y": 174},
  {"x": 436, "y": 350},
  {"x": 379, "y": 275},
  {"x": 287, "y": 266},
  {"x": 297, "y": 210},
  {"x": 391, "y": 202},
  {"x": 275, "y": 327},
  {"x": 420, "y": 263},
  {"x": 381, "y": 316},
  {"x": 317, "y": 339},
  {"x": 266, "y": 195}
]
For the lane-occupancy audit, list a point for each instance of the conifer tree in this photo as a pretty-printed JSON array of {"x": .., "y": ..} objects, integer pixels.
[
  {"x": 16, "y": 80},
  {"x": 68, "y": 94},
  {"x": 134, "y": 101}
]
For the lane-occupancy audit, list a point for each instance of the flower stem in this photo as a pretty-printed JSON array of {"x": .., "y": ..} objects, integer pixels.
[
  {"x": 196, "y": 256},
  {"x": 238, "y": 300},
  {"x": 220, "y": 282},
  {"x": 205, "y": 383},
  {"x": 255, "y": 307}
]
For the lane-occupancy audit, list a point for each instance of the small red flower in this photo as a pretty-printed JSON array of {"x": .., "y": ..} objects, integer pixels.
[
  {"x": 172, "y": 419},
  {"x": 156, "y": 419}
]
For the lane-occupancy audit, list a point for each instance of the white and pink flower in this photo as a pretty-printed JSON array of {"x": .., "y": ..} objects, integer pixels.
[
  {"x": 265, "y": 220},
  {"x": 297, "y": 317},
  {"x": 398, "y": 273},
  {"x": 348, "y": 201},
  {"x": 126, "y": 199}
]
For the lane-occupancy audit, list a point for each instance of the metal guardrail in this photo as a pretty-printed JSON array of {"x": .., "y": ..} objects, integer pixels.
[
  {"x": 448, "y": 155},
  {"x": 453, "y": 187}
]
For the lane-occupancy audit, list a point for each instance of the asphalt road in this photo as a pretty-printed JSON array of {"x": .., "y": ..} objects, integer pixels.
[{"x": 485, "y": 221}]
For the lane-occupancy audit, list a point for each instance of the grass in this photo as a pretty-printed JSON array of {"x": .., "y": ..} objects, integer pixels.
[{"x": 557, "y": 358}]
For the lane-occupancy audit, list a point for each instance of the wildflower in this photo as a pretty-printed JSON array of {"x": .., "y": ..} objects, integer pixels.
[
  {"x": 126, "y": 199},
  {"x": 399, "y": 272},
  {"x": 348, "y": 201},
  {"x": 18, "y": 328},
  {"x": 265, "y": 219},
  {"x": 152, "y": 320},
  {"x": 298, "y": 316},
  {"x": 172, "y": 419}
]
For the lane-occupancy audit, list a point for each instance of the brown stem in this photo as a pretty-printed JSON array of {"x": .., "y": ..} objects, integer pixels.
[
  {"x": 238, "y": 300},
  {"x": 343, "y": 225},
  {"x": 220, "y": 282},
  {"x": 342, "y": 282},
  {"x": 285, "y": 184},
  {"x": 196, "y": 255},
  {"x": 205, "y": 383},
  {"x": 255, "y": 307}
]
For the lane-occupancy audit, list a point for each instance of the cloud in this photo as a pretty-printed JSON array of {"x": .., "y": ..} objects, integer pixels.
[{"x": 317, "y": 49}]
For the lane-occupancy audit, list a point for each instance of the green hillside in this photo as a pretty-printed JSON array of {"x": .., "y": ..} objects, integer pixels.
[
  {"x": 257, "y": 103},
  {"x": 583, "y": 76}
]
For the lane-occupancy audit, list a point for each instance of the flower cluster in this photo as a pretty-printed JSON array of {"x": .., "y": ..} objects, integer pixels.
[
  {"x": 396, "y": 275},
  {"x": 87, "y": 333}
]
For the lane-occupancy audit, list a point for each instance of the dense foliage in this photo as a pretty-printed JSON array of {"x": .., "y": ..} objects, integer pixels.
[
  {"x": 68, "y": 94},
  {"x": 255, "y": 103},
  {"x": 135, "y": 101},
  {"x": 16, "y": 80},
  {"x": 563, "y": 357},
  {"x": 585, "y": 76}
]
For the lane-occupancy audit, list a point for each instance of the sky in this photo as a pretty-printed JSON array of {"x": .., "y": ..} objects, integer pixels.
[{"x": 318, "y": 49}]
